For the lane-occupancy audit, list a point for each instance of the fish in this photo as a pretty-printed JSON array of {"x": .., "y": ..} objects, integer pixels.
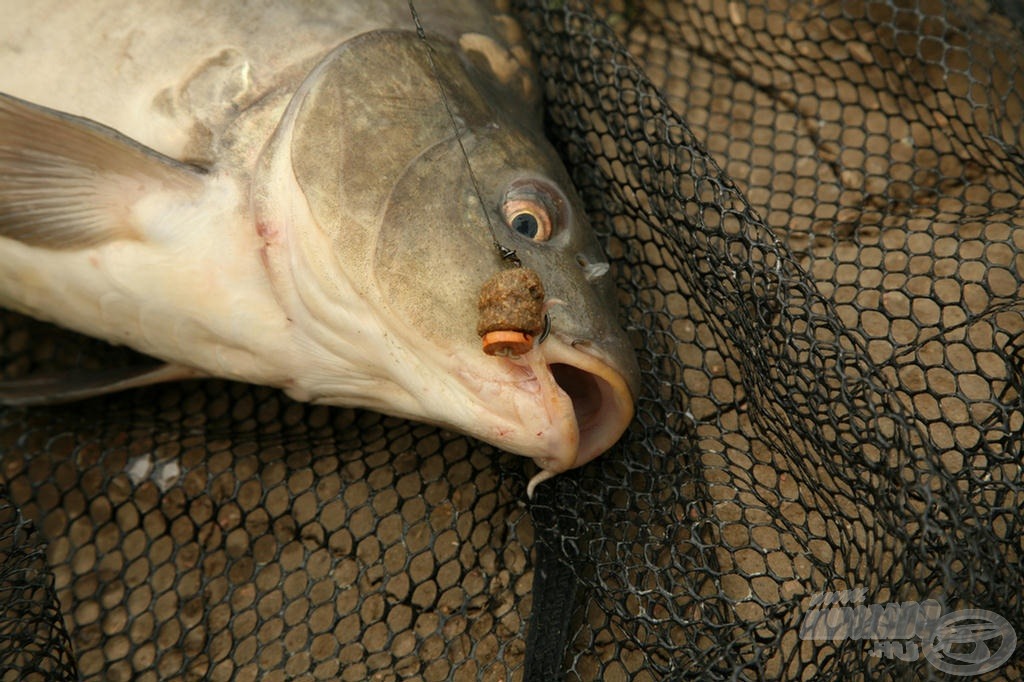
[{"x": 308, "y": 196}]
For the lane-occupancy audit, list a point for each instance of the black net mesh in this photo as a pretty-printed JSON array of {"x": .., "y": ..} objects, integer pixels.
[
  {"x": 814, "y": 214},
  {"x": 34, "y": 643}
]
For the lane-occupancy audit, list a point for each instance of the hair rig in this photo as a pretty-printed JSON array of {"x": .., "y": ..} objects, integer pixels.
[{"x": 511, "y": 307}]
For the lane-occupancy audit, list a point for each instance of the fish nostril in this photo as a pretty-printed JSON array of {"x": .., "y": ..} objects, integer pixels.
[{"x": 591, "y": 271}]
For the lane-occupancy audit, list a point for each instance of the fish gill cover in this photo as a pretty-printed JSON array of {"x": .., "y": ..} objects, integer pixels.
[{"x": 813, "y": 212}]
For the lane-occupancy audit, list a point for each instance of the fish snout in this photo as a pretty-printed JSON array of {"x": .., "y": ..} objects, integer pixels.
[
  {"x": 601, "y": 393},
  {"x": 589, "y": 400}
]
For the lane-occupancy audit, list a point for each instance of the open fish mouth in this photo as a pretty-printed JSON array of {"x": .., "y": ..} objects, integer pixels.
[
  {"x": 602, "y": 403},
  {"x": 581, "y": 404}
]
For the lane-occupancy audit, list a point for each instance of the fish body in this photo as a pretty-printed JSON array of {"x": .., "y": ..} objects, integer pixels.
[{"x": 308, "y": 196}]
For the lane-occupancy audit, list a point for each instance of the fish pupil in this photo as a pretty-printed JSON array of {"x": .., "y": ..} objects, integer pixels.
[{"x": 526, "y": 225}]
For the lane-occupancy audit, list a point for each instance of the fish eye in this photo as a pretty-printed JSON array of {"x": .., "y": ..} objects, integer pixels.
[
  {"x": 526, "y": 224},
  {"x": 528, "y": 218}
]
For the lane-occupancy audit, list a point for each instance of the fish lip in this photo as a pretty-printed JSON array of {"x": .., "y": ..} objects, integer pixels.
[
  {"x": 588, "y": 400},
  {"x": 602, "y": 422}
]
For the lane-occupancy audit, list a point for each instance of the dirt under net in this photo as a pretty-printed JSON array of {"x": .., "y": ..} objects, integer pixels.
[{"x": 814, "y": 213}]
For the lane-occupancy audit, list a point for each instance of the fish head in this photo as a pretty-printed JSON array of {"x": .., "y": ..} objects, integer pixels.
[
  {"x": 413, "y": 170},
  {"x": 570, "y": 397}
]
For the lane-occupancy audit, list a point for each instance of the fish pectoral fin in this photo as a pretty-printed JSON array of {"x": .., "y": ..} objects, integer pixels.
[
  {"x": 65, "y": 387},
  {"x": 67, "y": 182}
]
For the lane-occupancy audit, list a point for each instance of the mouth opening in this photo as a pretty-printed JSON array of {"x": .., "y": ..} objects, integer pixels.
[
  {"x": 602, "y": 413},
  {"x": 583, "y": 389}
]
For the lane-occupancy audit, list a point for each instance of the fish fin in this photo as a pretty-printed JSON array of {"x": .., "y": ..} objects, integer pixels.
[
  {"x": 52, "y": 389},
  {"x": 67, "y": 182}
]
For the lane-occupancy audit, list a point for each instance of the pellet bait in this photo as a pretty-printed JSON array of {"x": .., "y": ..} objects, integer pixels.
[{"x": 511, "y": 307}]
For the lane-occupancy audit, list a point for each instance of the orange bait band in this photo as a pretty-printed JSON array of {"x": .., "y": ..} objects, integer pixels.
[{"x": 511, "y": 307}]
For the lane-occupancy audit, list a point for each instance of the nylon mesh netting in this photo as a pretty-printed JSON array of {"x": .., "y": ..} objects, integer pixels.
[{"x": 814, "y": 215}]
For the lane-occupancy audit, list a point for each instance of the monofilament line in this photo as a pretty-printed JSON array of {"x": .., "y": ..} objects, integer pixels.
[{"x": 506, "y": 253}]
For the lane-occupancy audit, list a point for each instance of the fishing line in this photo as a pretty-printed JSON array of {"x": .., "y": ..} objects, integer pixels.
[
  {"x": 507, "y": 254},
  {"x": 512, "y": 317}
]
